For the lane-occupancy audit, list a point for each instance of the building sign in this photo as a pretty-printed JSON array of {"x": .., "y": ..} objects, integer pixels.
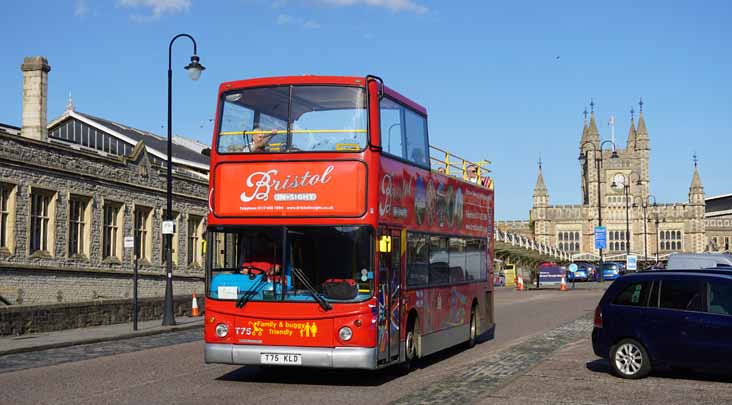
[
  {"x": 290, "y": 189},
  {"x": 632, "y": 262},
  {"x": 600, "y": 237}
]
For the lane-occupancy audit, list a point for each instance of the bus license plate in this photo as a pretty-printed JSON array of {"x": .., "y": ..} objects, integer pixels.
[{"x": 281, "y": 358}]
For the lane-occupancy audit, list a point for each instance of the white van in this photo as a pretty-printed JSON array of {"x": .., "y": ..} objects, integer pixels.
[{"x": 694, "y": 261}]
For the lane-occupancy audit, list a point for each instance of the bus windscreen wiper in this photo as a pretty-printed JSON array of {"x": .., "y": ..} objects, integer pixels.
[
  {"x": 304, "y": 280},
  {"x": 252, "y": 291}
]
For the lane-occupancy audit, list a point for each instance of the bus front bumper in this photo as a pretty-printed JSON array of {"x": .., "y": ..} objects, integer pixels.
[{"x": 338, "y": 357}]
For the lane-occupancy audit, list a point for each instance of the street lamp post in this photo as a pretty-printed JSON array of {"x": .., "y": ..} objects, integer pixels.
[
  {"x": 626, "y": 187},
  {"x": 657, "y": 237},
  {"x": 598, "y": 165},
  {"x": 644, "y": 205},
  {"x": 194, "y": 72}
]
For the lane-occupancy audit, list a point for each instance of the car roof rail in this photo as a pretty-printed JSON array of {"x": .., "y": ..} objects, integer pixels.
[{"x": 722, "y": 270}]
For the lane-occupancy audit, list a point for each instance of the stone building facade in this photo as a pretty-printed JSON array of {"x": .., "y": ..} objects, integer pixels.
[
  {"x": 636, "y": 223},
  {"x": 72, "y": 190},
  {"x": 718, "y": 223}
]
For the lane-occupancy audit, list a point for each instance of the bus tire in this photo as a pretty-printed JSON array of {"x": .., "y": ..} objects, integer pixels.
[
  {"x": 473, "y": 327},
  {"x": 410, "y": 344}
]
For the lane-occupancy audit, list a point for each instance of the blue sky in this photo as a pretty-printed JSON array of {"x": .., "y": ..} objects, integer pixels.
[{"x": 504, "y": 81}]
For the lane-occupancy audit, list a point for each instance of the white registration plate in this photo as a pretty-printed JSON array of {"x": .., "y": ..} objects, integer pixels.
[{"x": 292, "y": 359}]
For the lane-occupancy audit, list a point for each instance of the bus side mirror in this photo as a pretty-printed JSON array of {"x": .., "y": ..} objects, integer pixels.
[{"x": 385, "y": 244}]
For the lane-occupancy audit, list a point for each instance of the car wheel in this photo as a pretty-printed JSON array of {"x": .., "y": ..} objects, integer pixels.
[{"x": 629, "y": 359}]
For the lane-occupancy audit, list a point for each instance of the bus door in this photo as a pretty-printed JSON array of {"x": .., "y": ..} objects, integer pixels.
[{"x": 390, "y": 276}]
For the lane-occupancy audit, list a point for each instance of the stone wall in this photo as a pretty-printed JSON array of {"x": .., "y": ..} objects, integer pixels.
[
  {"x": 25, "y": 319},
  {"x": 27, "y": 164},
  {"x": 32, "y": 285}
]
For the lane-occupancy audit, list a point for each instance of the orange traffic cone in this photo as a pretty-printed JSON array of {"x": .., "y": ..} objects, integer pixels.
[
  {"x": 520, "y": 284},
  {"x": 194, "y": 307},
  {"x": 563, "y": 286}
]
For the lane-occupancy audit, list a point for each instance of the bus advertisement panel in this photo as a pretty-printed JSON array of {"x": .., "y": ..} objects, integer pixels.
[
  {"x": 290, "y": 189},
  {"x": 431, "y": 202}
]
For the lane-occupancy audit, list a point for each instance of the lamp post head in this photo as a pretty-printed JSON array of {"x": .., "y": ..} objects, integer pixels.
[
  {"x": 614, "y": 155},
  {"x": 195, "y": 68},
  {"x": 582, "y": 156}
]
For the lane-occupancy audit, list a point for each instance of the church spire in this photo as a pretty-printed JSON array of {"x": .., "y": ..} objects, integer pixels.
[
  {"x": 641, "y": 137},
  {"x": 593, "y": 134},
  {"x": 696, "y": 184},
  {"x": 584, "y": 128},
  {"x": 540, "y": 189},
  {"x": 696, "y": 189},
  {"x": 630, "y": 144}
]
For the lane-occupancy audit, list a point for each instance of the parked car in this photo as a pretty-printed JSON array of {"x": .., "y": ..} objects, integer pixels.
[
  {"x": 649, "y": 320},
  {"x": 588, "y": 269},
  {"x": 610, "y": 271},
  {"x": 684, "y": 261},
  {"x": 579, "y": 275}
]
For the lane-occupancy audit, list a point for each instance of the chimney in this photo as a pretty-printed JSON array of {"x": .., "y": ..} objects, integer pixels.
[{"x": 35, "y": 97}]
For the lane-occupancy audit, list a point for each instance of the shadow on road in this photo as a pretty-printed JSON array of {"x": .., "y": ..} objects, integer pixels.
[
  {"x": 339, "y": 377},
  {"x": 602, "y": 366}
]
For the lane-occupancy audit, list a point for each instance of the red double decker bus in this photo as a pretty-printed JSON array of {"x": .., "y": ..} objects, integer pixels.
[{"x": 331, "y": 242}]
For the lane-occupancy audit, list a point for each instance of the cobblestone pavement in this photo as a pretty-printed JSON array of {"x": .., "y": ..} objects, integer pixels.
[
  {"x": 575, "y": 375},
  {"x": 499, "y": 368},
  {"x": 43, "y": 358}
]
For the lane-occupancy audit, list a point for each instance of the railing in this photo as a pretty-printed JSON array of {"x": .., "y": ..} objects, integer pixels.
[
  {"x": 530, "y": 244},
  {"x": 453, "y": 165}
]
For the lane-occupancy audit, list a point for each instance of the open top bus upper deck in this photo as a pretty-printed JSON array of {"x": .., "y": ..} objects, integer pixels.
[{"x": 304, "y": 148}]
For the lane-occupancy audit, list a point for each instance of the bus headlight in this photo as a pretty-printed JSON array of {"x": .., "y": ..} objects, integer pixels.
[
  {"x": 345, "y": 333},
  {"x": 222, "y": 330}
]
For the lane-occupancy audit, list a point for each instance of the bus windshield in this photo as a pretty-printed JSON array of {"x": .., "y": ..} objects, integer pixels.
[
  {"x": 247, "y": 264},
  {"x": 283, "y": 119}
]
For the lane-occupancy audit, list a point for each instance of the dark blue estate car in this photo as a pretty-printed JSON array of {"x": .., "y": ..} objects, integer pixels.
[{"x": 665, "y": 318}]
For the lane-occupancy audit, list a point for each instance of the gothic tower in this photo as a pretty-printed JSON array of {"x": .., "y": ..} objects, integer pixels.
[
  {"x": 590, "y": 149},
  {"x": 695, "y": 239},
  {"x": 539, "y": 216},
  {"x": 643, "y": 150}
]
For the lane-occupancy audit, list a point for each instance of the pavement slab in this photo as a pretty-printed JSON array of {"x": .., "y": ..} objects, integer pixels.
[
  {"x": 470, "y": 384},
  {"x": 95, "y": 334},
  {"x": 575, "y": 375}
]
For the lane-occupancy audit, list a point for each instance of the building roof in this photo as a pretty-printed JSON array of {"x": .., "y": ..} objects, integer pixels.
[
  {"x": 718, "y": 205},
  {"x": 151, "y": 140},
  {"x": 9, "y": 129}
]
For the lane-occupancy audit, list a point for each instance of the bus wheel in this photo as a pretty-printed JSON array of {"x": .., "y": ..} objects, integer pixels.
[
  {"x": 410, "y": 345},
  {"x": 473, "y": 327}
]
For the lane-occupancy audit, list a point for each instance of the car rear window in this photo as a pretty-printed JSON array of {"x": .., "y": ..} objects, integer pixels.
[
  {"x": 720, "y": 298},
  {"x": 634, "y": 295},
  {"x": 683, "y": 294}
]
